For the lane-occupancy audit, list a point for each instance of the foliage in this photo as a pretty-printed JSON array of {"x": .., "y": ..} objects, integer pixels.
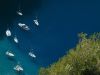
[{"x": 84, "y": 59}]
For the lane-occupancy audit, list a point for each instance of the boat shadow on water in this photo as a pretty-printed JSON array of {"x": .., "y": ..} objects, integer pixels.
[
  {"x": 20, "y": 73},
  {"x": 33, "y": 60},
  {"x": 12, "y": 59}
]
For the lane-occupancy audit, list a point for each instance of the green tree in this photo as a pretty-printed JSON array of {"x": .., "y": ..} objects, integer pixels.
[{"x": 84, "y": 59}]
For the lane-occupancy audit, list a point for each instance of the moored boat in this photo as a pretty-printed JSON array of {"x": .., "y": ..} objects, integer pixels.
[
  {"x": 32, "y": 55},
  {"x": 8, "y": 33},
  {"x": 23, "y": 26}
]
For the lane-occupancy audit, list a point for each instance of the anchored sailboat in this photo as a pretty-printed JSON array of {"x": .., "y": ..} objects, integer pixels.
[
  {"x": 19, "y": 13},
  {"x": 32, "y": 55},
  {"x": 18, "y": 68},
  {"x": 10, "y": 54},
  {"x": 8, "y": 33},
  {"x": 23, "y": 26},
  {"x": 16, "y": 40}
]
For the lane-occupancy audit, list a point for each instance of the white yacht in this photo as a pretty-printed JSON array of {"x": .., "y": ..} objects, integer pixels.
[
  {"x": 8, "y": 32},
  {"x": 19, "y": 13},
  {"x": 16, "y": 40},
  {"x": 32, "y": 55},
  {"x": 36, "y": 22},
  {"x": 10, "y": 54},
  {"x": 18, "y": 68},
  {"x": 23, "y": 26}
]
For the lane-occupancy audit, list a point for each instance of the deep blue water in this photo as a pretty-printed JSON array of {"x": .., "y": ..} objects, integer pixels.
[{"x": 60, "y": 23}]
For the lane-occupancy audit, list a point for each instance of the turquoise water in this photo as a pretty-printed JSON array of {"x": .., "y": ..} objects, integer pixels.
[{"x": 6, "y": 65}]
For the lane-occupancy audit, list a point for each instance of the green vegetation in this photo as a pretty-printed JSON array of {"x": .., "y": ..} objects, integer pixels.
[{"x": 84, "y": 59}]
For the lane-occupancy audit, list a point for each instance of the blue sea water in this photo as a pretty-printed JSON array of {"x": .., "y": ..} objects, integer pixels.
[
  {"x": 7, "y": 65},
  {"x": 60, "y": 22}
]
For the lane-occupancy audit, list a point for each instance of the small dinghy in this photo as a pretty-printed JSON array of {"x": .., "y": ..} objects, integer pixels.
[
  {"x": 18, "y": 68},
  {"x": 32, "y": 55},
  {"x": 23, "y": 26},
  {"x": 36, "y": 22},
  {"x": 8, "y": 33},
  {"x": 16, "y": 40},
  {"x": 19, "y": 13},
  {"x": 10, "y": 54}
]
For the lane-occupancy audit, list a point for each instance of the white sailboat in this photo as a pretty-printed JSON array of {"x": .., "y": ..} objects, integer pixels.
[
  {"x": 32, "y": 55},
  {"x": 19, "y": 13},
  {"x": 8, "y": 33},
  {"x": 23, "y": 26},
  {"x": 16, "y": 40},
  {"x": 10, "y": 54},
  {"x": 36, "y": 22},
  {"x": 18, "y": 68}
]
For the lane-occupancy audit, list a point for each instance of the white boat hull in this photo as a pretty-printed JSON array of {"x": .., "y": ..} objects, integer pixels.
[
  {"x": 8, "y": 32},
  {"x": 36, "y": 22},
  {"x": 23, "y": 26},
  {"x": 15, "y": 40},
  {"x": 32, "y": 55},
  {"x": 10, "y": 54},
  {"x": 18, "y": 68}
]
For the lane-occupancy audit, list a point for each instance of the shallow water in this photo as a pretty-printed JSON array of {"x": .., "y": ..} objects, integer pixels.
[{"x": 6, "y": 64}]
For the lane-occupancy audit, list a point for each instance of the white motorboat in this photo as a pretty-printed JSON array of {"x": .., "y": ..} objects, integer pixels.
[
  {"x": 36, "y": 22},
  {"x": 18, "y": 68},
  {"x": 10, "y": 54},
  {"x": 8, "y": 32},
  {"x": 32, "y": 55},
  {"x": 23, "y": 26},
  {"x": 19, "y": 13},
  {"x": 16, "y": 40}
]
